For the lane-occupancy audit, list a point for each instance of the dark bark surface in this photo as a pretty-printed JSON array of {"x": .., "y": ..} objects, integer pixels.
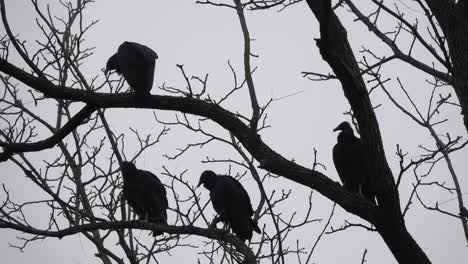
[
  {"x": 267, "y": 157},
  {"x": 336, "y": 51},
  {"x": 453, "y": 19},
  {"x": 386, "y": 217}
]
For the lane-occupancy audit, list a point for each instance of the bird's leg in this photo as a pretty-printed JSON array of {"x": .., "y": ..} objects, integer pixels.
[{"x": 215, "y": 221}]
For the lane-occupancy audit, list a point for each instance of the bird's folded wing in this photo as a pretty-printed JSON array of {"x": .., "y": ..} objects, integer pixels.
[{"x": 147, "y": 53}]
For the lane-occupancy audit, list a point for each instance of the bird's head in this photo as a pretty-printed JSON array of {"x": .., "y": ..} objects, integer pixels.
[
  {"x": 127, "y": 167},
  {"x": 345, "y": 127},
  {"x": 112, "y": 64},
  {"x": 208, "y": 179}
]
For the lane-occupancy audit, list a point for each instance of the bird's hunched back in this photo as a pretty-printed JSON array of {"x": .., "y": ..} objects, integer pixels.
[
  {"x": 232, "y": 202},
  {"x": 145, "y": 193},
  {"x": 136, "y": 62}
]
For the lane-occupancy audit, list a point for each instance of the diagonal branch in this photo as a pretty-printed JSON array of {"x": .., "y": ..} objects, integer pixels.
[
  {"x": 176, "y": 230},
  {"x": 73, "y": 123},
  {"x": 337, "y": 52},
  {"x": 339, "y": 55},
  {"x": 267, "y": 157},
  {"x": 396, "y": 50}
]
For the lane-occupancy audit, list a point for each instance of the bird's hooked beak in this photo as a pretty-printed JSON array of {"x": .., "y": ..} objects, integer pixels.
[
  {"x": 199, "y": 183},
  {"x": 336, "y": 129}
]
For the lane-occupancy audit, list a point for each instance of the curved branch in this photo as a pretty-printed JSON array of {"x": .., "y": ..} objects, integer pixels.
[
  {"x": 267, "y": 157},
  {"x": 176, "y": 230}
]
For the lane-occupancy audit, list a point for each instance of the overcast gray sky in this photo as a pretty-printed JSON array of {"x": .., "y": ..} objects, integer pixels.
[{"x": 204, "y": 38}]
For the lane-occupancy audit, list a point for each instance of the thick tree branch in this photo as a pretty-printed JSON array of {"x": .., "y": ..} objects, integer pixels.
[
  {"x": 442, "y": 9},
  {"x": 463, "y": 9},
  {"x": 336, "y": 51},
  {"x": 339, "y": 55},
  {"x": 454, "y": 24},
  {"x": 176, "y": 230},
  {"x": 268, "y": 158}
]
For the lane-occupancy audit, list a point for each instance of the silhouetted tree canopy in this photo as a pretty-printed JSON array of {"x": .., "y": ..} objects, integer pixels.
[{"x": 83, "y": 175}]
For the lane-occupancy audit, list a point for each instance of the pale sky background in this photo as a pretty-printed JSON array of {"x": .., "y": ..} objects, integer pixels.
[{"x": 204, "y": 38}]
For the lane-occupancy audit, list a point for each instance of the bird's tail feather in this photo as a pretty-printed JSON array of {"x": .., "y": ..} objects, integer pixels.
[{"x": 160, "y": 220}]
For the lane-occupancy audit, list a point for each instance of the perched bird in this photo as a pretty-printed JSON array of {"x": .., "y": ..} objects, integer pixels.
[
  {"x": 232, "y": 203},
  {"x": 350, "y": 159},
  {"x": 145, "y": 194},
  {"x": 136, "y": 62}
]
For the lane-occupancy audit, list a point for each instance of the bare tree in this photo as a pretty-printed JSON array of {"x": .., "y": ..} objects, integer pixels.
[
  {"x": 80, "y": 181},
  {"x": 438, "y": 30},
  {"x": 82, "y": 184}
]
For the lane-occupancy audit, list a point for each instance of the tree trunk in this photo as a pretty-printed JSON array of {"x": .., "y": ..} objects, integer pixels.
[
  {"x": 452, "y": 19},
  {"x": 336, "y": 51},
  {"x": 458, "y": 45},
  {"x": 400, "y": 242}
]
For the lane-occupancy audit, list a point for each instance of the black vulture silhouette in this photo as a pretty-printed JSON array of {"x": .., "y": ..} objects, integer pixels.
[
  {"x": 136, "y": 62},
  {"x": 145, "y": 194},
  {"x": 232, "y": 203},
  {"x": 351, "y": 163}
]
